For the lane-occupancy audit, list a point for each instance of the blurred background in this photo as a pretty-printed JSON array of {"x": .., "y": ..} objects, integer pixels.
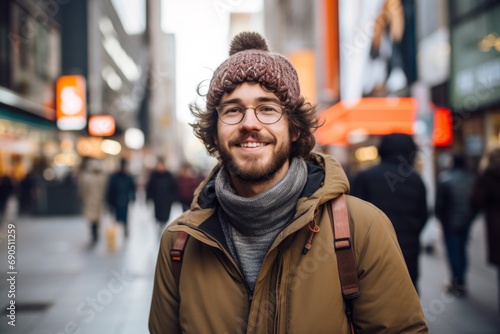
[
  {"x": 427, "y": 68},
  {"x": 112, "y": 79}
]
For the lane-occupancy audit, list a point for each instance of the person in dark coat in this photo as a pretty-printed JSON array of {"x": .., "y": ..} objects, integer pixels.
[
  {"x": 120, "y": 192},
  {"x": 162, "y": 191},
  {"x": 27, "y": 188},
  {"x": 486, "y": 197},
  {"x": 395, "y": 187},
  {"x": 6, "y": 191},
  {"x": 453, "y": 210}
]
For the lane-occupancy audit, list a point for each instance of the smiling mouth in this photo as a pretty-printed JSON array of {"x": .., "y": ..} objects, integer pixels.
[{"x": 252, "y": 144}]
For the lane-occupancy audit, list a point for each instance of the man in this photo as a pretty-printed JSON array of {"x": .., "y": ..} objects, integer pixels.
[
  {"x": 161, "y": 189},
  {"x": 394, "y": 187},
  {"x": 6, "y": 191},
  {"x": 244, "y": 268},
  {"x": 120, "y": 192},
  {"x": 453, "y": 193}
]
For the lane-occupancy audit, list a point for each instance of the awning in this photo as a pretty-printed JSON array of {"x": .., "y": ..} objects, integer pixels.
[{"x": 369, "y": 116}]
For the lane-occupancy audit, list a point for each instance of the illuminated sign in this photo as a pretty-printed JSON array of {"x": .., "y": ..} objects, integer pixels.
[
  {"x": 71, "y": 103},
  {"x": 442, "y": 134},
  {"x": 101, "y": 125}
]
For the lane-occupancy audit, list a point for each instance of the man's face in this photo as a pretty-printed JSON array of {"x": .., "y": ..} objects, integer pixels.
[{"x": 253, "y": 151}]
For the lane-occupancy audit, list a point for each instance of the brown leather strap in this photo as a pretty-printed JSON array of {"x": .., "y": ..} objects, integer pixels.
[
  {"x": 176, "y": 254},
  {"x": 346, "y": 260},
  {"x": 343, "y": 248}
]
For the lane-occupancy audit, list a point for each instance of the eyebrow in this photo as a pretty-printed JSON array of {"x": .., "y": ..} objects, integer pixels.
[{"x": 260, "y": 99}]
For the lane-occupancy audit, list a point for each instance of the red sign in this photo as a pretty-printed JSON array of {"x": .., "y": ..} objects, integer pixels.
[
  {"x": 71, "y": 105},
  {"x": 443, "y": 130},
  {"x": 102, "y": 125}
]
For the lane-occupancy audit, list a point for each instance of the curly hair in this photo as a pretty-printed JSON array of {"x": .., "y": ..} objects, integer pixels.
[{"x": 302, "y": 120}]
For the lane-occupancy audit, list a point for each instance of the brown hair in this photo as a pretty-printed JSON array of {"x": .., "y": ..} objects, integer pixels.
[{"x": 301, "y": 117}]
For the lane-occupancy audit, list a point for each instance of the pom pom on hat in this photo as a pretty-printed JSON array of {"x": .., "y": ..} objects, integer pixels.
[
  {"x": 247, "y": 41},
  {"x": 251, "y": 61}
]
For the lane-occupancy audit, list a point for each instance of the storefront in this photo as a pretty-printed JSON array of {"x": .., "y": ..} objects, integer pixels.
[{"x": 475, "y": 75}]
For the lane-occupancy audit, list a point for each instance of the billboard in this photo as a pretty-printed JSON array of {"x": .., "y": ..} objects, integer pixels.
[{"x": 71, "y": 104}]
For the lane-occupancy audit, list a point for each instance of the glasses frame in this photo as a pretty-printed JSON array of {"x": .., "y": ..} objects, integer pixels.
[{"x": 283, "y": 109}]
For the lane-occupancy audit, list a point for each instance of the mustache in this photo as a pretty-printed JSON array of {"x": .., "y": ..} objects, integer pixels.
[{"x": 252, "y": 135}]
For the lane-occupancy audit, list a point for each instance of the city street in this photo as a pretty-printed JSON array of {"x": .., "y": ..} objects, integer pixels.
[{"x": 63, "y": 286}]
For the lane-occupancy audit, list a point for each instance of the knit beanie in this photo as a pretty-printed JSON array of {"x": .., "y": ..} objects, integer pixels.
[{"x": 251, "y": 61}]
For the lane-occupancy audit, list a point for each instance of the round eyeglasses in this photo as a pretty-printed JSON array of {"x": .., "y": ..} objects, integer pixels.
[{"x": 233, "y": 113}]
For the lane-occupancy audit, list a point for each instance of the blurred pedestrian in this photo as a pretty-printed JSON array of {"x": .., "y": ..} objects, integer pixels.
[
  {"x": 27, "y": 193},
  {"x": 394, "y": 186},
  {"x": 161, "y": 189},
  {"x": 452, "y": 208},
  {"x": 257, "y": 260},
  {"x": 486, "y": 197},
  {"x": 120, "y": 192},
  {"x": 92, "y": 183},
  {"x": 187, "y": 181},
  {"x": 6, "y": 191}
]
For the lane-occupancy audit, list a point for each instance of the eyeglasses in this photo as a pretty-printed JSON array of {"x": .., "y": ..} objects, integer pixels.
[{"x": 233, "y": 113}]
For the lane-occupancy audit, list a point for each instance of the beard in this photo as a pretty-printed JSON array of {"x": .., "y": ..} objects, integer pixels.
[{"x": 252, "y": 170}]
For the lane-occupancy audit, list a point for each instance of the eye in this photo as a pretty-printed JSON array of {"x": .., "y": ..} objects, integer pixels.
[
  {"x": 232, "y": 110},
  {"x": 268, "y": 108}
]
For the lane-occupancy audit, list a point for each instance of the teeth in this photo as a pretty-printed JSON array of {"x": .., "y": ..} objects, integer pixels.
[{"x": 252, "y": 144}]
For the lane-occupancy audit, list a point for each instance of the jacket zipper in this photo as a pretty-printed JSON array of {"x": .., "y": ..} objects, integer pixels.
[{"x": 277, "y": 298}]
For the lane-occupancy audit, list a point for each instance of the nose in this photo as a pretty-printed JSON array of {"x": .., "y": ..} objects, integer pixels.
[{"x": 250, "y": 121}]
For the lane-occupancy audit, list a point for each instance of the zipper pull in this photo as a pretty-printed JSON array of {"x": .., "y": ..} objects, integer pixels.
[{"x": 313, "y": 228}]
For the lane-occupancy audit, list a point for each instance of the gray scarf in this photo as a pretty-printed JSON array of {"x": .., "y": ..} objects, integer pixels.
[{"x": 251, "y": 224}]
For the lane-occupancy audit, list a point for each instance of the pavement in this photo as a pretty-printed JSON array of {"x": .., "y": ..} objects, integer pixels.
[{"x": 60, "y": 285}]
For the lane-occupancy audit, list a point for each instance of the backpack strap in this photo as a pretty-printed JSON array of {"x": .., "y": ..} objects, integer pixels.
[
  {"x": 346, "y": 260},
  {"x": 176, "y": 254},
  {"x": 343, "y": 248}
]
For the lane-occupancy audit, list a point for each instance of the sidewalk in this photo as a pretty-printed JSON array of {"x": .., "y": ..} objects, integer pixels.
[
  {"x": 479, "y": 312},
  {"x": 62, "y": 286}
]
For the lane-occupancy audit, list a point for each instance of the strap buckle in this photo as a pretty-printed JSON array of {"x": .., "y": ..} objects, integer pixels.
[
  {"x": 342, "y": 243},
  {"x": 176, "y": 255}
]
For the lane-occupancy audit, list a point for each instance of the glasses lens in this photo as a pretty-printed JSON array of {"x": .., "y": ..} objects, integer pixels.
[
  {"x": 268, "y": 113},
  {"x": 231, "y": 113}
]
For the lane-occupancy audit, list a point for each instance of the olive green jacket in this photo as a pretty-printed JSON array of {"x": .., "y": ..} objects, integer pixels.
[{"x": 294, "y": 292}]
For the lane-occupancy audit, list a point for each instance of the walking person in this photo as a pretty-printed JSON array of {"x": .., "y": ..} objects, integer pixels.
[
  {"x": 453, "y": 210},
  {"x": 120, "y": 192},
  {"x": 27, "y": 193},
  {"x": 486, "y": 197},
  {"x": 161, "y": 189},
  {"x": 260, "y": 256},
  {"x": 394, "y": 187},
  {"x": 6, "y": 191},
  {"x": 187, "y": 182},
  {"x": 92, "y": 183}
]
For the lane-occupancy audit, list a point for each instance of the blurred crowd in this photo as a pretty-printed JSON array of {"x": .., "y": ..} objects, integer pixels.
[
  {"x": 461, "y": 196},
  {"x": 100, "y": 191},
  {"x": 116, "y": 191}
]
